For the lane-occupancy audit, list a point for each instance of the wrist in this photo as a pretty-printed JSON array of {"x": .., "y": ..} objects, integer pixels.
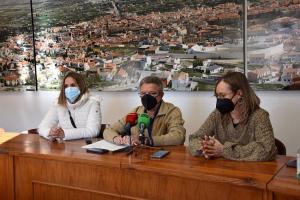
[
  {"x": 63, "y": 135},
  {"x": 113, "y": 139}
]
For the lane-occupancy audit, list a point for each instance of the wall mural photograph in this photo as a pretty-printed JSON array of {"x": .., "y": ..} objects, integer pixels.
[
  {"x": 189, "y": 44},
  {"x": 16, "y": 46},
  {"x": 273, "y": 44}
]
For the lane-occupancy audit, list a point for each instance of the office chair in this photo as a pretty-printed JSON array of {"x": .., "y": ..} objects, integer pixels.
[
  {"x": 102, "y": 128},
  {"x": 281, "y": 150},
  {"x": 33, "y": 131}
]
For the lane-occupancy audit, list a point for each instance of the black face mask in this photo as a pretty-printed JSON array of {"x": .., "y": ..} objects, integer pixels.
[
  {"x": 148, "y": 101},
  {"x": 225, "y": 105}
]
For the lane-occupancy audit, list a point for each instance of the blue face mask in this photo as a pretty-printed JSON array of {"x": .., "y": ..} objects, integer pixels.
[{"x": 72, "y": 93}]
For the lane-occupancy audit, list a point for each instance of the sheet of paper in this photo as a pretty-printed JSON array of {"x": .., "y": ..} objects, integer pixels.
[
  {"x": 103, "y": 144},
  {"x": 7, "y": 136}
]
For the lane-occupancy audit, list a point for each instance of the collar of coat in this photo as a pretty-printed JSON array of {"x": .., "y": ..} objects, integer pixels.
[{"x": 80, "y": 102}]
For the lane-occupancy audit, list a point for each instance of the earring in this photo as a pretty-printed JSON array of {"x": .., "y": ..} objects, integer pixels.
[{"x": 240, "y": 98}]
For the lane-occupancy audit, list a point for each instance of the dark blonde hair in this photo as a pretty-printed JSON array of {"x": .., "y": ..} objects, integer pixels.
[
  {"x": 154, "y": 80},
  {"x": 249, "y": 101},
  {"x": 80, "y": 82}
]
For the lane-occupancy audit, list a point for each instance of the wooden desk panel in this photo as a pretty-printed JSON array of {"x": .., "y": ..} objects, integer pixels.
[
  {"x": 50, "y": 179},
  {"x": 285, "y": 185},
  {"x": 6, "y": 177},
  {"x": 57, "y": 192},
  {"x": 149, "y": 185},
  {"x": 47, "y": 170},
  {"x": 181, "y": 176}
]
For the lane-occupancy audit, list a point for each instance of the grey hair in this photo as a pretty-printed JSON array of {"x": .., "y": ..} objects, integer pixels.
[{"x": 152, "y": 79}]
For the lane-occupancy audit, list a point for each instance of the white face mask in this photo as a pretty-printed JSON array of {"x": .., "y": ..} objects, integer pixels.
[{"x": 72, "y": 93}]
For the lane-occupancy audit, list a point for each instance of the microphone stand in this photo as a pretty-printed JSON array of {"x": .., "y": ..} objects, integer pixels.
[
  {"x": 141, "y": 139},
  {"x": 142, "y": 135},
  {"x": 130, "y": 148},
  {"x": 127, "y": 132},
  {"x": 130, "y": 139}
]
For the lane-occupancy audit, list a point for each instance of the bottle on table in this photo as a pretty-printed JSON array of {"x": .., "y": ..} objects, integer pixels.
[{"x": 298, "y": 164}]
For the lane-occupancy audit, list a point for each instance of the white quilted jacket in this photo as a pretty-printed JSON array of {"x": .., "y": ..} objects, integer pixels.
[{"x": 86, "y": 114}]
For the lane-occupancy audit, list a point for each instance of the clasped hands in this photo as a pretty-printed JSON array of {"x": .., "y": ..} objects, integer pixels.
[
  {"x": 211, "y": 147},
  {"x": 56, "y": 134}
]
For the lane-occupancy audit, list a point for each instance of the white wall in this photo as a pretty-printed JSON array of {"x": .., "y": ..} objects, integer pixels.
[{"x": 22, "y": 111}]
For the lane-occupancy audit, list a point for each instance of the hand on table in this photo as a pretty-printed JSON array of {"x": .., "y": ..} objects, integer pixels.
[
  {"x": 211, "y": 147},
  {"x": 124, "y": 140},
  {"x": 56, "y": 133}
]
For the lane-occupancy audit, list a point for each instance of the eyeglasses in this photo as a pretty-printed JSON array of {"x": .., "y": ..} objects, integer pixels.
[
  {"x": 154, "y": 94},
  {"x": 222, "y": 96}
]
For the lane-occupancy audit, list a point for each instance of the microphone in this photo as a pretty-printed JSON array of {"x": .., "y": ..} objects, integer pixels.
[
  {"x": 131, "y": 118},
  {"x": 130, "y": 121},
  {"x": 143, "y": 122}
]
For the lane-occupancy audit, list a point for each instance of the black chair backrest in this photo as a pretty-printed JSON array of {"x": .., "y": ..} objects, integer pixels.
[
  {"x": 281, "y": 150},
  {"x": 33, "y": 131},
  {"x": 102, "y": 128}
]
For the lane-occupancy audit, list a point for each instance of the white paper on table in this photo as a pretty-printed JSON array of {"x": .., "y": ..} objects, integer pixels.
[{"x": 103, "y": 144}]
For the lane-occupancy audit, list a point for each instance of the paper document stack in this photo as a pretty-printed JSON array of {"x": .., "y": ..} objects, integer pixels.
[{"x": 103, "y": 144}]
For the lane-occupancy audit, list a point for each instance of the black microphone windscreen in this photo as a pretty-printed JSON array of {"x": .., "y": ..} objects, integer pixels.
[{"x": 125, "y": 130}]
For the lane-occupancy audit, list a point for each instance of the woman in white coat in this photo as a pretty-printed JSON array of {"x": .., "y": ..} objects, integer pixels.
[{"x": 75, "y": 115}]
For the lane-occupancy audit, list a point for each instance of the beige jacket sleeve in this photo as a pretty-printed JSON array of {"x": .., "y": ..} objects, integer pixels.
[
  {"x": 206, "y": 128},
  {"x": 115, "y": 129}
]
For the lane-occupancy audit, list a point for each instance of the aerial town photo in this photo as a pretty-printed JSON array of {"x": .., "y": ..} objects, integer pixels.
[
  {"x": 273, "y": 44},
  {"x": 189, "y": 44}
]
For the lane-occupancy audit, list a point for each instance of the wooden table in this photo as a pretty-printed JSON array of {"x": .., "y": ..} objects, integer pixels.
[
  {"x": 285, "y": 185},
  {"x": 34, "y": 168}
]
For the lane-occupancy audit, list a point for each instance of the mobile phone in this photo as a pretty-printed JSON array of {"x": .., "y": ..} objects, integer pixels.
[
  {"x": 292, "y": 163},
  {"x": 199, "y": 153},
  {"x": 160, "y": 154},
  {"x": 96, "y": 150}
]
